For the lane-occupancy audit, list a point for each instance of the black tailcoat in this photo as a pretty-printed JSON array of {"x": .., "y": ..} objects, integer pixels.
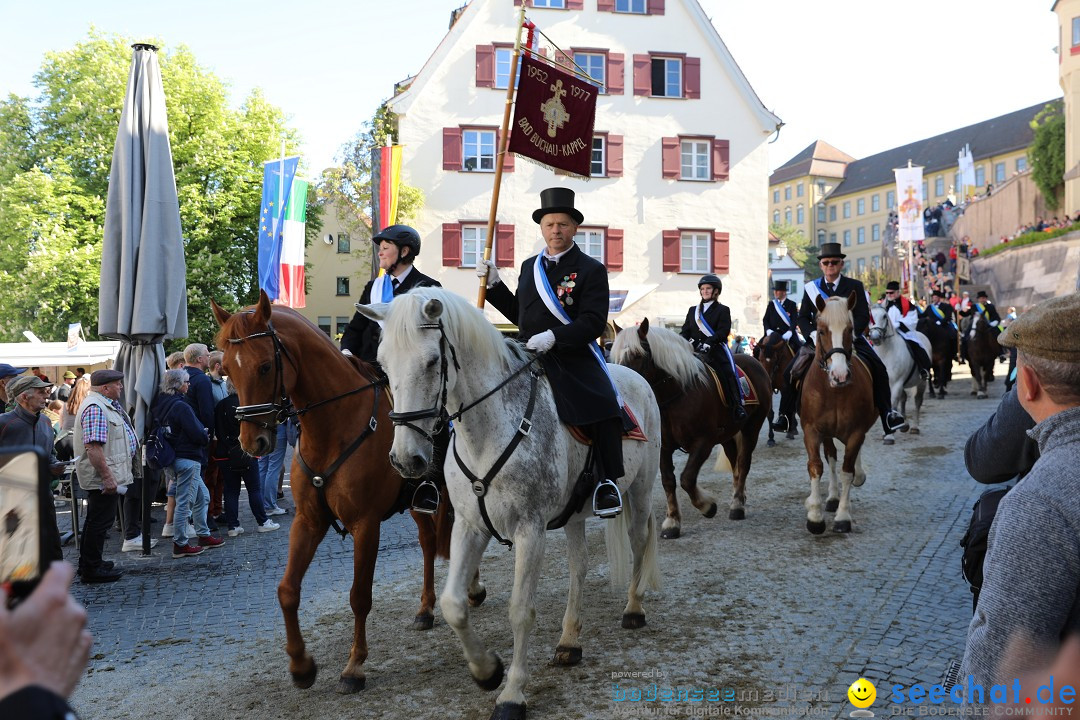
[
  {"x": 361, "y": 336},
  {"x": 718, "y": 317},
  {"x": 775, "y": 322},
  {"x": 844, "y": 285}
]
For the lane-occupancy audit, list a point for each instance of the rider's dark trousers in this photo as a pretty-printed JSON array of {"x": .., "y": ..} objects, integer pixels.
[
  {"x": 607, "y": 440},
  {"x": 880, "y": 375}
]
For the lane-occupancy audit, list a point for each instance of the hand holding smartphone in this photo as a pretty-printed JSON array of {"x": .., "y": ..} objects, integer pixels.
[{"x": 24, "y": 494}]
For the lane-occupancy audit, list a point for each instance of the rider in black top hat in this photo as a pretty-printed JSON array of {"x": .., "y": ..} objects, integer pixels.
[
  {"x": 831, "y": 259},
  {"x": 561, "y": 309},
  {"x": 707, "y": 327},
  {"x": 781, "y": 319},
  {"x": 905, "y": 317}
]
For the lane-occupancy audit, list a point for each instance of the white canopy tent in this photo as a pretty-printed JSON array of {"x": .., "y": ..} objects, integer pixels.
[{"x": 53, "y": 358}]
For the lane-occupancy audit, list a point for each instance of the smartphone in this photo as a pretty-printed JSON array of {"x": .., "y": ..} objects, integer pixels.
[{"x": 24, "y": 497}]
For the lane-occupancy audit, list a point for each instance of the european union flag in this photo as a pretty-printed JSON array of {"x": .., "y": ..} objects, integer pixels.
[{"x": 271, "y": 222}]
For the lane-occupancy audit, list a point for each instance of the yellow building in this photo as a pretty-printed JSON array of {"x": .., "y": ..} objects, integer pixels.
[
  {"x": 851, "y": 199},
  {"x": 1068, "y": 12},
  {"x": 338, "y": 267}
]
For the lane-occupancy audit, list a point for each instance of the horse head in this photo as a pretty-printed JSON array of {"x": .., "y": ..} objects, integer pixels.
[
  {"x": 880, "y": 325},
  {"x": 255, "y": 361},
  {"x": 835, "y": 337},
  {"x": 631, "y": 349},
  {"x": 662, "y": 357}
]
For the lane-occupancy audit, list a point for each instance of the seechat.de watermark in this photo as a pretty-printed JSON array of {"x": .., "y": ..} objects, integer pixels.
[{"x": 971, "y": 698}]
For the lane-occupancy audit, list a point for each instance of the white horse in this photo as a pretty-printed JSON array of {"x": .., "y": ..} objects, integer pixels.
[
  {"x": 440, "y": 353},
  {"x": 904, "y": 378}
]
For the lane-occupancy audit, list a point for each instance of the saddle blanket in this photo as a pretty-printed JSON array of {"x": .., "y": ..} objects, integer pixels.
[
  {"x": 634, "y": 434},
  {"x": 750, "y": 396}
]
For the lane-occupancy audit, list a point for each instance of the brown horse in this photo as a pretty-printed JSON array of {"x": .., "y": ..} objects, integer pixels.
[
  {"x": 837, "y": 402},
  {"x": 341, "y": 469},
  {"x": 775, "y": 354},
  {"x": 983, "y": 350},
  {"x": 692, "y": 416}
]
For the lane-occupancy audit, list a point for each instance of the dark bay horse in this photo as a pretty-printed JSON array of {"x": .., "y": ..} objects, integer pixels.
[
  {"x": 837, "y": 402},
  {"x": 983, "y": 350},
  {"x": 775, "y": 354},
  {"x": 273, "y": 356},
  {"x": 692, "y": 416},
  {"x": 943, "y": 349}
]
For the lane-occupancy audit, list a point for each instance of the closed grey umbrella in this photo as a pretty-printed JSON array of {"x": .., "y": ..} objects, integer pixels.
[{"x": 143, "y": 293}]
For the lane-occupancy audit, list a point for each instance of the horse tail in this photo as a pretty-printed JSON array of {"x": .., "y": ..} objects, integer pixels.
[
  {"x": 617, "y": 538},
  {"x": 444, "y": 525}
]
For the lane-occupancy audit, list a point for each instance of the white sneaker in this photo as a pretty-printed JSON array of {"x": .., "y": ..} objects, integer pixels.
[
  {"x": 268, "y": 526},
  {"x": 167, "y": 530},
  {"x": 135, "y": 543},
  {"x": 191, "y": 532},
  {"x": 236, "y": 531},
  {"x": 276, "y": 511}
]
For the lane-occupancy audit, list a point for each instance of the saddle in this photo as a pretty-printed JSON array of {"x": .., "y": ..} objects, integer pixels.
[
  {"x": 750, "y": 396},
  {"x": 635, "y": 433},
  {"x": 801, "y": 363}
]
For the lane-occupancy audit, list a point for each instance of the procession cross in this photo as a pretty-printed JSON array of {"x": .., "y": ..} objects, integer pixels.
[{"x": 554, "y": 111}]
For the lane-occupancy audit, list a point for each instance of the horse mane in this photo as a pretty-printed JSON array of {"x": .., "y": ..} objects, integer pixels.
[
  {"x": 670, "y": 352},
  {"x": 465, "y": 326},
  {"x": 836, "y": 312}
]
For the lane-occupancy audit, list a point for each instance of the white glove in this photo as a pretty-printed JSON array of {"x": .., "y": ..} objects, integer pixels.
[
  {"x": 487, "y": 269},
  {"x": 346, "y": 352},
  {"x": 541, "y": 342},
  {"x": 813, "y": 337},
  {"x": 787, "y": 335}
]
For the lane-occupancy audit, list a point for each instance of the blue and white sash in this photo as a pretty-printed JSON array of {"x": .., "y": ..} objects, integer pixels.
[
  {"x": 382, "y": 290},
  {"x": 703, "y": 326},
  {"x": 551, "y": 301},
  {"x": 782, "y": 311}
]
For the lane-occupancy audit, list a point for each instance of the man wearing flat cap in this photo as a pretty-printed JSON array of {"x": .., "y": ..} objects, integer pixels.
[
  {"x": 1030, "y": 596},
  {"x": 104, "y": 442},
  {"x": 63, "y": 391},
  {"x": 561, "y": 308},
  {"x": 27, "y": 425},
  {"x": 833, "y": 283}
]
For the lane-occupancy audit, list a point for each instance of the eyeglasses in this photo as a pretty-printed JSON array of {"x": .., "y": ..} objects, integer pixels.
[{"x": 831, "y": 262}]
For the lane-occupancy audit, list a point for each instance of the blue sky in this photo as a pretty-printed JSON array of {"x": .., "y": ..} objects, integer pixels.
[{"x": 863, "y": 75}]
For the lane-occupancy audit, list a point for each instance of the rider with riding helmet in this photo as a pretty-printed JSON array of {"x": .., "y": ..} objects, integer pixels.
[
  {"x": 905, "y": 316},
  {"x": 833, "y": 284},
  {"x": 707, "y": 326},
  {"x": 780, "y": 319},
  {"x": 397, "y": 246},
  {"x": 561, "y": 308}
]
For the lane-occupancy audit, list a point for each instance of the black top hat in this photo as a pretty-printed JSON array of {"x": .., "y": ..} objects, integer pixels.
[
  {"x": 557, "y": 200},
  {"x": 830, "y": 250},
  {"x": 780, "y": 285},
  {"x": 981, "y": 293},
  {"x": 893, "y": 285}
]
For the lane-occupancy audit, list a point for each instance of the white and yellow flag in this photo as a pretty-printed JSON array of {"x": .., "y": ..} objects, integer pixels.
[{"x": 909, "y": 199}]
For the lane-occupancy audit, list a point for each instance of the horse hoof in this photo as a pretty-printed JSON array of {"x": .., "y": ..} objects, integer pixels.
[
  {"x": 633, "y": 621},
  {"x": 974, "y": 392},
  {"x": 914, "y": 431},
  {"x": 670, "y": 533},
  {"x": 771, "y": 443},
  {"x": 567, "y": 656},
  {"x": 858, "y": 480},
  {"x": 423, "y": 621},
  {"x": 305, "y": 680},
  {"x": 982, "y": 396},
  {"x": 493, "y": 682},
  {"x": 842, "y": 526},
  {"x": 348, "y": 685},
  {"x": 792, "y": 434},
  {"x": 816, "y": 528},
  {"x": 831, "y": 504},
  {"x": 711, "y": 512},
  {"x": 736, "y": 514},
  {"x": 478, "y": 599},
  {"x": 509, "y": 711},
  {"x": 888, "y": 440}
]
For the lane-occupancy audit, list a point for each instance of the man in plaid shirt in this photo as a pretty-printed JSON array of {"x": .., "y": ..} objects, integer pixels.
[{"x": 104, "y": 443}]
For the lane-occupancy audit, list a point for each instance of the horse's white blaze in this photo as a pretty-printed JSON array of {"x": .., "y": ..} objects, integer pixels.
[
  {"x": 837, "y": 318},
  {"x": 239, "y": 362}
]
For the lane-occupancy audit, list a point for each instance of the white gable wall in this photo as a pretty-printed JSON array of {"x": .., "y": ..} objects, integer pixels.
[{"x": 641, "y": 202}]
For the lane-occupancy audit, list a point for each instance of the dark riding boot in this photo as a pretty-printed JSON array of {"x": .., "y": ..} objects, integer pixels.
[
  {"x": 922, "y": 360},
  {"x": 781, "y": 424},
  {"x": 425, "y": 499},
  {"x": 963, "y": 349},
  {"x": 891, "y": 420},
  {"x": 606, "y": 499}
]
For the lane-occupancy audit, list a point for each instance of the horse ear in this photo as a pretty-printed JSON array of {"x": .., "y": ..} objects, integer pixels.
[
  {"x": 820, "y": 303},
  {"x": 433, "y": 309},
  {"x": 616, "y": 326},
  {"x": 851, "y": 298},
  {"x": 220, "y": 314},
  {"x": 262, "y": 308},
  {"x": 643, "y": 328},
  {"x": 375, "y": 311}
]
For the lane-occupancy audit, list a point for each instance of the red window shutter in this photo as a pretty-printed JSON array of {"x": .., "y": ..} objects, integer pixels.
[
  {"x": 605, "y": 5},
  {"x": 508, "y": 159},
  {"x": 616, "y": 67},
  {"x": 575, "y": 4},
  {"x": 517, "y": 3},
  {"x": 692, "y": 77},
  {"x": 642, "y": 75},
  {"x": 670, "y": 157},
  {"x": 671, "y": 250},
  {"x": 720, "y": 252},
  {"x": 656, "y": 7},
  {"x": 485, "y": 66},
  {"x": 614, "y": 155},
  {"x": 451, "y": 149},
  {"x": 721, "y": 159},
  {"x": 504, "y": 245},
  {"x": 613, "y": 249},
  {"x": 451, "y": 245}
]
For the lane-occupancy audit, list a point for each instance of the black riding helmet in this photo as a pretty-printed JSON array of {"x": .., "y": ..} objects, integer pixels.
[
  {"x": 402, "y": 236},
  {"x": 711, "y": 280}
]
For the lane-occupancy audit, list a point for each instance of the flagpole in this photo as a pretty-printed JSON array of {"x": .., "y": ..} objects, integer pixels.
[{"x": 500, "y": 157}]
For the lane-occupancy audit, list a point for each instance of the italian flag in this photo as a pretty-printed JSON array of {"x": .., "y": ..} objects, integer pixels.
[{"x": 291, "y": 287}]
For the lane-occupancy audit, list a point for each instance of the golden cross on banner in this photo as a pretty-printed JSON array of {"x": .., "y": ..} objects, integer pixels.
[{"x": 554, "y": 111}]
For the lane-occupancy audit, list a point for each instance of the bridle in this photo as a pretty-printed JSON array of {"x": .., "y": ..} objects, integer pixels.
[
  {"x": 880, "y": 333},
  {"x": 824, "y": 362},
  {"x": 438, "y": 410}
]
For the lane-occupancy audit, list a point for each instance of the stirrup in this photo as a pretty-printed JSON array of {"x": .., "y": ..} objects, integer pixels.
[
  {"x": 607, "y": 512},
  {"x": 425, "y": 499},
  {"x": 894, "y": 421}
]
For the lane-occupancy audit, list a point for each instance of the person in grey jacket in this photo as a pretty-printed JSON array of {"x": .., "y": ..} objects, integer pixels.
[
  {"x": 1001, "y": 450},
  {"x": 1031, "y": 580}
]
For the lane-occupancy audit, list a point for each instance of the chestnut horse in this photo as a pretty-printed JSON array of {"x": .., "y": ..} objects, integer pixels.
[
  {"x": 692, "y": 416},
  {"x": 341, "y": 468},
  {"x": 775, "y": 354},
  {"x": 837, "y": 402}
]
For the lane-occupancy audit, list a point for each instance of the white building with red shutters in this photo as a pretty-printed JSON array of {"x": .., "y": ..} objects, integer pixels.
[{"x": 680, "y": 173}]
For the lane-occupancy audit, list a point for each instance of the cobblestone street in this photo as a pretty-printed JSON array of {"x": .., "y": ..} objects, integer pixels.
[{"x": 783, "y": 619}]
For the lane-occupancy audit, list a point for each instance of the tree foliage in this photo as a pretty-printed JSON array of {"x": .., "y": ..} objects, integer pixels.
[
  {"x": 1047, "y": 153},
  {"x": 799, "y": 248},
  {"x": 55, "y": 156}
]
